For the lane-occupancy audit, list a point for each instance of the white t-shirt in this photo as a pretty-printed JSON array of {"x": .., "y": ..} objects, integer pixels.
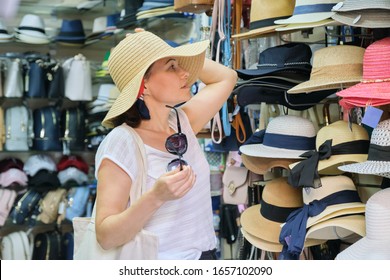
[{"x": 184, "y": 226}]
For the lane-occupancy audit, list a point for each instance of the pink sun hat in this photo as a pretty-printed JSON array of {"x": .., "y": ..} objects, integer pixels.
[{"x": 376, "y": 74}]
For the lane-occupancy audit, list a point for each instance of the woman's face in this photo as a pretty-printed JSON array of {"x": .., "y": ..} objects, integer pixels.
[{"x": 168, "y": 82}]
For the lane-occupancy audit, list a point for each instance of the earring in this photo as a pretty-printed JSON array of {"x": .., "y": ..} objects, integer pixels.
[{"x": 142, "y": 109}]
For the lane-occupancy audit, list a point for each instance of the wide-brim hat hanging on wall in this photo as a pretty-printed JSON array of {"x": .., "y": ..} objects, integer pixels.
[
  {"x": 260, "y": 165},
  {"x": 376, "y": 244},
  {"x": 263, "y": 221},
  {"x": 71, "y": 32},
  {"x": 309, "y": 13},
  {"x": 378, "y": 161},
  {"x": 128, "y": 63},
  {"x": 263, "y": 13},
  {"x": 376, "y": 74},
  {"x": 32, "y": 30},
  {"x": 361, "y": 13},
  {"x": 291, "y": 57},
  {"x": 334, "y": 67},
  {"x": 4, "y": 35},
  {"x": 285, "y": 136}
]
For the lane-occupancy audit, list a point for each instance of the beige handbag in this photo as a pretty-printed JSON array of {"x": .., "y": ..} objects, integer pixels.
[
  {"x": 143, "y": 246},
  {"x": 50, "y": 206},
  {"x": 235, "y": 185}
]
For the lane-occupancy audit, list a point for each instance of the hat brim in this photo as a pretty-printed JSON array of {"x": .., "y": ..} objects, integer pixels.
[
  {"x": 190, "y": 57},
  {"x": 261, "y": 165},
  {"x": 326, "y": 84},
  {"x": 297, "y": 73},
  {"x": 379, "y": 90},
  {"x": 366, "y": 249},
  {"x": 31, "y": 39},
  {"x": 305, "y": 18},
  {"x": 372, "y": 18},
  {"x": 299, "y": 26},
  {"x": 260, "y": 150},
  {"x": 255, "y": 33},
  {"x": 338, "y": 228},
  {"x": 369, "y": 167}
]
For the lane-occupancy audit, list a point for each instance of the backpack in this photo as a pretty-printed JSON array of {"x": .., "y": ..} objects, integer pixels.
[{"x": 18, "y": 128}]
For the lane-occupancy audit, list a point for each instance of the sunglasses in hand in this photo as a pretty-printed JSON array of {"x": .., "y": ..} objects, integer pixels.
[{"x": 176, "y": 144}]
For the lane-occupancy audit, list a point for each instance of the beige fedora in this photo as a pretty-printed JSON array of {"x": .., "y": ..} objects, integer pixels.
[
  {"x": 263, "y": 13},
  {"x": 348, "y": 145},
  {"x": 263, "y": 221},
  {"x": 334, "y": 67},
  {"x": 299, "y": 26},
  {"x": 130, "y": 59},
  {"x": 262, "y": 165}
]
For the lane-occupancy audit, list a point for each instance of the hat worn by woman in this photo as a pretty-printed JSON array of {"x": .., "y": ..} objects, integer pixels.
[
  {"x": 376, "y": 74},
  {"x": 131, "y": 58},
  {"x": 378, "y": 161},
  {"x": 376, "y": 244},
  {"x": 334, "y": 67}
]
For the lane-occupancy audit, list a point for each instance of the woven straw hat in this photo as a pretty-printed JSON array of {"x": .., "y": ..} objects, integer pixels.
[
  {"x": 334, "y": 67},
  {"x": 131, "y": 58},
  {"x": 332, "y": 185},
  {"x": 356, "y": 5},
  {"x": 263, "y": 13},
  {"x": 378, "y": 161},
  {"x": 299, "y": 26},
  {"x": 376, "y": 244},
  {"x": 376, "y": 73},
  {"x": 340, "y": 133},
  {"x": 286, "y": 136},
  {"x": 307, "y": 11},
  {"x": 373, "y": 18},
  {"x": 263, "y": 221}
]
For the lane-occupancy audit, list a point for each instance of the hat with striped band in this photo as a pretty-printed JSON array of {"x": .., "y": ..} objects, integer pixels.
[{"x": 133, "y": 55}]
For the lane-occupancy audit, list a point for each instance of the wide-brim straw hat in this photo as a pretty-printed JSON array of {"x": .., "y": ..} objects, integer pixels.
[
  {"x": 131, "y": 58},
  {"x": 376, "y": 243},
  {"x": 334, "y": 67},
  {"x": 307, "y": 11},
  {"x": 278, "y": 131},
  {"x": 378, "y": 161},
  {"x": 332, "y": 185},
  {"x": 340, "y": 133},
  {"x": 338, "y": 228},
  {"x": 280, "y": 196},
  {"x": 263, "y": 13},
  {"x": 355, "y": 5},
  {"x": 373, "y": 18},
  {"x": 376, "y": 73},
  {"x": 300, "y": 26}
]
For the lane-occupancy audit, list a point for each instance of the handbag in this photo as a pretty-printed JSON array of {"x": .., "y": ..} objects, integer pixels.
[
  {"x": 235, "y": 181},
  {"x": 143, "y": 246},
  {"x": 16, "y": 246}
]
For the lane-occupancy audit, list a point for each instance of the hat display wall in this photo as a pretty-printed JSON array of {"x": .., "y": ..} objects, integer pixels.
[
  {"x": 309, "y": 14},
  {"x": 285, "y": 137},
  {"x": 376, "y": 74},
  {"x": 263, "y": 13},
  {"x": 378, "y": 161},
  {"x": 32, "y": 30},
  {"x": 337, "y": 197},
  {"x": 334, "y": 67},
  {"x": 361, "y": 13},
  {"x": 376, "y": 244},
  {"x": 131, "y": 58},
  {"x": 263, "y": 221}
]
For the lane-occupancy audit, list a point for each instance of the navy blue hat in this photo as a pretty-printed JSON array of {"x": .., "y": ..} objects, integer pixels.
[
  {"x": 72, "y": 31},
  {"x": 287, "y": 58}
]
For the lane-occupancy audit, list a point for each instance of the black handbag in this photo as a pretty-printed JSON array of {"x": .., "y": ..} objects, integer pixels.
[
  {"x": 47, "y": 246},
  {"x": 73, "y": 128},
  {"x": 55, "y": 81},
  {"x": 46, "y": 129},
  {"x": 36, "y": 78}
]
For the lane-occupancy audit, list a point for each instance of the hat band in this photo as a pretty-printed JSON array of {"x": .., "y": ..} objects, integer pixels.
[
  {"x": 275, "y": 213},
  {"x": 3, "y": 31},
  {"x": 317, "y": 8},
  {"x": 291, "y": 142},
  {"x": 380, "y": 153},
  {"x": 336, "y": 72},
  {"x": 282, "y": 65},
  {"x": 294, "y": 230},
  {"x": 264, "y": 22},
  {"x": 72, "y": 34},
  {"x": 32, "y": 29}
]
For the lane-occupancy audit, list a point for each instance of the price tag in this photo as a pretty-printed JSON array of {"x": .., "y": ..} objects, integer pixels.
[{"x": 372, "y": 116}]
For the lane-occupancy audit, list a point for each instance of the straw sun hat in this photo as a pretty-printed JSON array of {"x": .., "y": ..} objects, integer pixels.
[
  {"x": 131, "y": 58},
  {"x": 334, "y": 67}
]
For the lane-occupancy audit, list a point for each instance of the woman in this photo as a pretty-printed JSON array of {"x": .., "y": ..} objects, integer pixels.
[{"x": 151, "y": 75}]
